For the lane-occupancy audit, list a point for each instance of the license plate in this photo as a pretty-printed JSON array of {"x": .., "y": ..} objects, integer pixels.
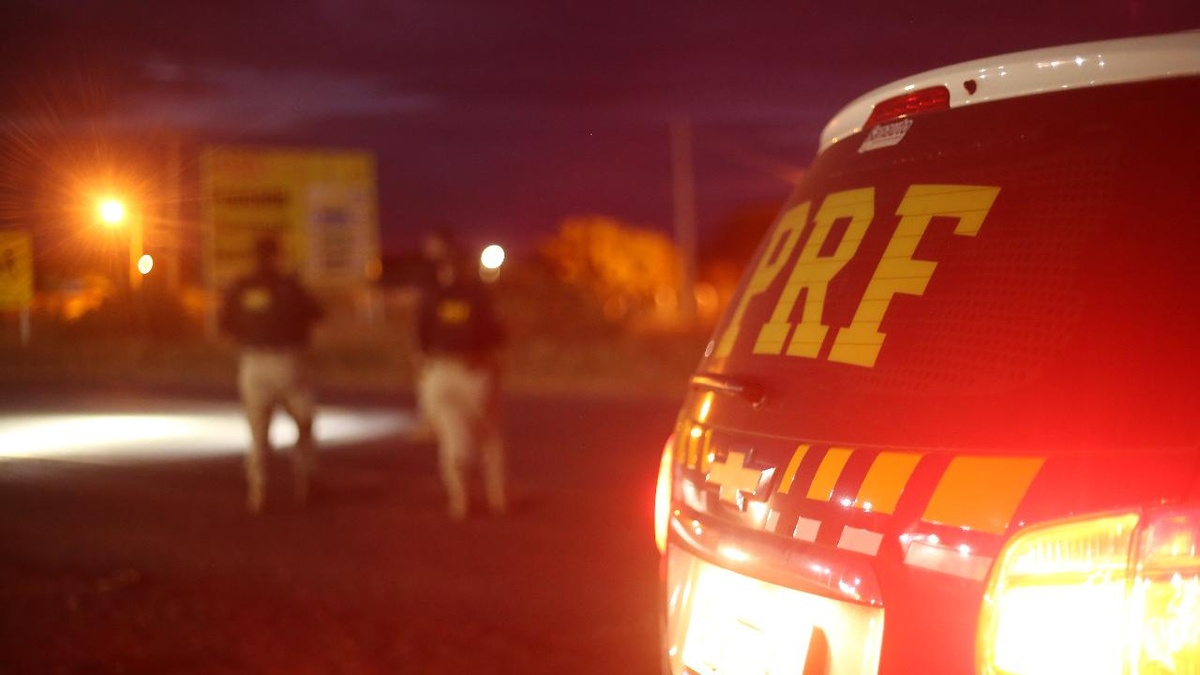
[{"x": 743, "y": 626}]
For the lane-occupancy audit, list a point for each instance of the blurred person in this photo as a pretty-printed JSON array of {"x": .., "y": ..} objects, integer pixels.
[
  {"x": 458, "y": 383},
  {"x": 271, "y": 316},
  {"x": 436, "y": 248}
]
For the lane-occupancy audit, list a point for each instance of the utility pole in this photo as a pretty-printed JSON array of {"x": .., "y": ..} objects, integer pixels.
[
  {"x": 174, "y": 220},
  {"x": 685, "y": 216}
]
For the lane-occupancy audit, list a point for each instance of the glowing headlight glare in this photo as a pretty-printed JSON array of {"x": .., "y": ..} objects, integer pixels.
[
  {"x": 1166, "y": 595},
  {"x": 1060, "y": 629},
  {"x": 1169, "y": 631},
  {"x": 1056, "y": 601},
  {"x": 662, "y": 495},
  {"x": 1109, "y": 595}
]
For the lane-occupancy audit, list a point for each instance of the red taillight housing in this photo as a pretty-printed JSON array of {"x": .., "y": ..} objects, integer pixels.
[
  {"x": 908, "y": 104},
  {"x": 662, "y": 495}
]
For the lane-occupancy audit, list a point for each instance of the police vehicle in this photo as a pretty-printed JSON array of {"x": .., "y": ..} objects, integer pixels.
[{"x": 951, "y": 420}]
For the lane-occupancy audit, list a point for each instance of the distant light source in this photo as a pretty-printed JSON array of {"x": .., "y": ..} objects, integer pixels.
[
  {"x": 212, "y": 430},
  {"x": 490, "y": 261},
  {"x": 492, "y": 257},
  {"x": 112, "y": 211},
  {"x": 145, "y": 264}
]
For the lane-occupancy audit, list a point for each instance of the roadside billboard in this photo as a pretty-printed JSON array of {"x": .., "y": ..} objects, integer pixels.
[
  {"x": 321, "y": 205},
  {"x": 16, "y": 270}
]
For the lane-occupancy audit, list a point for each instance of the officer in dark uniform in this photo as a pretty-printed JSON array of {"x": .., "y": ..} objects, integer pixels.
[
  {"x": 459, "y": 336},
  {"x": 271, "y": 316},
  {"x": 436, "y": 250}
]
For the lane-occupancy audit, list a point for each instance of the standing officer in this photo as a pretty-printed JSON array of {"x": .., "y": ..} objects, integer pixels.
[
  {"x": 459, "y": 335},
  {"x": 271, "y": 316},
  {"x": 436, "y": 250}
]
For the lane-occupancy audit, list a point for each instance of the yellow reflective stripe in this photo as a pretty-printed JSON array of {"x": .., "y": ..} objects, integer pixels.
[
  {"x": 885, "y": 481},
  {"x": 789, "y": 476},
  {"x": 981, "y": 493},
  {"x": 774, "y": 257},
  {"x": 828, "y": 473}
]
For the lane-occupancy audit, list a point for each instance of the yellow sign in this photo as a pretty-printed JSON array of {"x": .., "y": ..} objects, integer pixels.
[
  {"x": 320, "y": 205},
  {"x": 16, "y": 269}
]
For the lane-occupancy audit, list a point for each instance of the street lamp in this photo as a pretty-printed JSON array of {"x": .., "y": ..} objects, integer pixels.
[{"x": 113, "y": 213}]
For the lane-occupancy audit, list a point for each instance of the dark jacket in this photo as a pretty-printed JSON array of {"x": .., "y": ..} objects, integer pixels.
[
  {"x": 267, "y": 309},
  {"x": 458, "y": 320}
]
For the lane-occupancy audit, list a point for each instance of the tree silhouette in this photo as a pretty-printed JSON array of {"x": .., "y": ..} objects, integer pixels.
[{"x": 628, "y": 269}]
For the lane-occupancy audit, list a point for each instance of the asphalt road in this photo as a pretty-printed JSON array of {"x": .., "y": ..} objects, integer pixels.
[{"x": 126, "y": 553}]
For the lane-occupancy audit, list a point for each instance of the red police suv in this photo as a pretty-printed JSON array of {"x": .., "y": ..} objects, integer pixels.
[{"x": 950, "y": 423}]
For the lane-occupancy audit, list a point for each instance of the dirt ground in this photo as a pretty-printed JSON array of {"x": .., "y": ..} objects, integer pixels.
[{"x": 156, "y": 567}]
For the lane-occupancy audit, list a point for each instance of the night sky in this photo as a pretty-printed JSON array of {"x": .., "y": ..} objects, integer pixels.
[{"x": 502, "y": 118}]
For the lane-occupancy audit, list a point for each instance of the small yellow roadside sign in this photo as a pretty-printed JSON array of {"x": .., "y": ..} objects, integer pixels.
[{"x": 16, "y": 269}]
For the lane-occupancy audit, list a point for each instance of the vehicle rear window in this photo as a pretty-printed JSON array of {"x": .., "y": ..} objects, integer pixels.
[{"x": 1023, "y": 271}]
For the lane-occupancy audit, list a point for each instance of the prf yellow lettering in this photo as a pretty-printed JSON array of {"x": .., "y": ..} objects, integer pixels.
[
  {"x": 779, "y": 249},
  {"x": 813, "y": 272},
  {"x": 897, "y": 272}
]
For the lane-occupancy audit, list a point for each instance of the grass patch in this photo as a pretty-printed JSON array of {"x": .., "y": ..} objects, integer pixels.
[{"x": 362, "y": 358}]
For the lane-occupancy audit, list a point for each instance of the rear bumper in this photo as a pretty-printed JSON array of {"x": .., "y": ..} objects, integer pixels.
[{"x": 721, "y": 621}]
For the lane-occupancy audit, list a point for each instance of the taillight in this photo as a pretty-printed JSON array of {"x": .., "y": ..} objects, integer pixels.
[
  {"x": 1116, "y": 594},
  {"x": 909, "y": 104},
  {"x": 1166, "y": 595},
  {"x": 662, "y": 495}
]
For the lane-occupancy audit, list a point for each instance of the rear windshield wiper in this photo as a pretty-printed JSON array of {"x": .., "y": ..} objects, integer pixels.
[{"x": 750, "y": 392}]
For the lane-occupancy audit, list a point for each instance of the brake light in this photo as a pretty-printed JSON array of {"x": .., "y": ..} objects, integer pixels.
[
  {"x": 1118, "y": 594},
  {"x": 662, "y": 495},
  {"x": 1166, "y": 595},
  {"x": 909, "y": 104}
]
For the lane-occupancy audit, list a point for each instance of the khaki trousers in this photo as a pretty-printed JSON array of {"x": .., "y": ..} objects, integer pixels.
[
  {"x": 268, "y": 378},
  {"x": 461, "y": 402}
]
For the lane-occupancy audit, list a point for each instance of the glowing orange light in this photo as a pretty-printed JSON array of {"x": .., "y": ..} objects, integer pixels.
[
  {"x": 1057, "y": 600},
  {"x": 112, "y": 211}
]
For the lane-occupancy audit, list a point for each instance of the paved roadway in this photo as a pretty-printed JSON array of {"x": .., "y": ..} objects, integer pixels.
[{"x": 125, "y": 547}]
